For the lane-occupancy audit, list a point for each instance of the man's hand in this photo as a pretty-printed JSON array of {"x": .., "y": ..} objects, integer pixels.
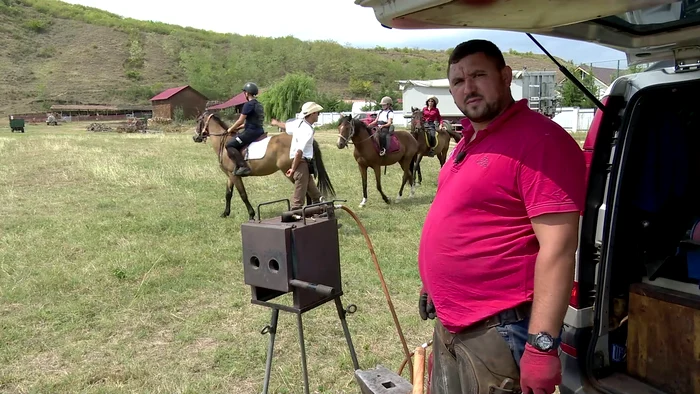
[
  {"x": 426, "y": 308},
  {"x": 540, "y": 372}
]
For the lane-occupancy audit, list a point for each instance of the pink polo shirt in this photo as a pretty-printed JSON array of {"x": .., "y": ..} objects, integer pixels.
[{"x": 478, "y": 249}]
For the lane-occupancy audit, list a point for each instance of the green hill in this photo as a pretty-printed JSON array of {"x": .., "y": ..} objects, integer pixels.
[{"x": 57, "y": 53}]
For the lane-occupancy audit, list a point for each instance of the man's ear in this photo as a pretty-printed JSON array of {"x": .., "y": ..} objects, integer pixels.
[{"x": 507, "y": 74}]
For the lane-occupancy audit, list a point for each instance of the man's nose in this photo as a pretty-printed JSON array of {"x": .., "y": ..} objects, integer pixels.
[{"x": 469, "y": 87}]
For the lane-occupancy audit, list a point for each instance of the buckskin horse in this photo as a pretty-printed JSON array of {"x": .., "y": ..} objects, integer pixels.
[
  {"x": 402, "y": 149},
  {"x": 265, "y": 156},
  {"x": 419, "y": 131}
]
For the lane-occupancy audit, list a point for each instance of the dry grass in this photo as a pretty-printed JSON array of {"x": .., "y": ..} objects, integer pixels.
[{"x": 117, "y": 274}]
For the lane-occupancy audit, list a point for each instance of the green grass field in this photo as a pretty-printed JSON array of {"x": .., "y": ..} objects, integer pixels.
[{"x": 118, "y": 275}]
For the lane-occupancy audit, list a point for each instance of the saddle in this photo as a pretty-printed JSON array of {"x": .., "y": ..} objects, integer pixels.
[{"x": 244, "y": 150}]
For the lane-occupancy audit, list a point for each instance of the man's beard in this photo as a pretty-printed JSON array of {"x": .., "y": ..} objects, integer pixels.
[{"x": 483, "y": 113}]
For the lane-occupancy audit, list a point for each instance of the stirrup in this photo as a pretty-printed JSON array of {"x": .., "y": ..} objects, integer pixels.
[{"x": 382, "y": 152}]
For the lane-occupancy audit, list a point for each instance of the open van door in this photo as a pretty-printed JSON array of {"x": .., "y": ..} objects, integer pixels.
[{"x": 646, "y": 30}]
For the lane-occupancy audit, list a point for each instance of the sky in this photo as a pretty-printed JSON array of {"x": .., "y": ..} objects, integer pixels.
[{"x": 339, "y": 20}]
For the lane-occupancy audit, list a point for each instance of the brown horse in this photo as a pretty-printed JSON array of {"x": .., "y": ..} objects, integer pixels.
[
  {"x": 276, "y": 158},
  {"x": 367, "y": 154},
  {"x": 419, "y": 131}
]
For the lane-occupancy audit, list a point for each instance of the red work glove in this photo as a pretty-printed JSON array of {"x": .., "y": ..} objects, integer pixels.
[{"x": 540, "y": 372}]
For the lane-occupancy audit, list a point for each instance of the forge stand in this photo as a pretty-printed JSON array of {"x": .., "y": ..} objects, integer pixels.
[
  {"x": 296, "y": 253},
  {"x": 272, "y": 330}
]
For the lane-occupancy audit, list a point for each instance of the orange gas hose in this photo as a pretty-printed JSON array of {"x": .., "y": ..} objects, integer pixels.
[{"x": 407, "y": 354}]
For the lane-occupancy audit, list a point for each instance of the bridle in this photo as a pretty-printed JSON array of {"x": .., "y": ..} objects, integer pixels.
[
  {"x": 421, "y": 123},
  {"x": 204, "y": 134},
  {"x": 348, "y": 139}
]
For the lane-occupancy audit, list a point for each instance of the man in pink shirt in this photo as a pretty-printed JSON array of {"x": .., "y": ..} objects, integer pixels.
[{"x": 510, "y": 197}]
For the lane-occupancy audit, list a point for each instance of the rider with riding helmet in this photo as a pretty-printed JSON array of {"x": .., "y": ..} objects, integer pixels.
[
  {"x": 384, "y": 123},
  {"x": 251, "y": 121},
  {"x": 433, "y": 120}
]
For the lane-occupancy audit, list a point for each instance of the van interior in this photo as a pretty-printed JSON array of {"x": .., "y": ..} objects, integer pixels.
[{"x": 650, "y": 285}]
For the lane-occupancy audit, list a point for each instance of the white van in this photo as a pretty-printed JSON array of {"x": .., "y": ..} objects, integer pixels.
[{"x": 633, "y": 324}]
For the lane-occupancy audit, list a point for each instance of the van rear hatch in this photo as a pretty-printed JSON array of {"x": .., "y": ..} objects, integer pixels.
[{"x": 646, "y": 30}]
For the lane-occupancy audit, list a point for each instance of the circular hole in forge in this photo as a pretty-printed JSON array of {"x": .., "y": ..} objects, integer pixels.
[
  {"x": 255, "y": 262},
  {"x": 274, "y": 266}
]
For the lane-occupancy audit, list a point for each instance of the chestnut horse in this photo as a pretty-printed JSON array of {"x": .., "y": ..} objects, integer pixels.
[
  {"x": 276, "y": 158},
  {"x": 367, "y": 155},
  {"x": 419, "y": 130}
]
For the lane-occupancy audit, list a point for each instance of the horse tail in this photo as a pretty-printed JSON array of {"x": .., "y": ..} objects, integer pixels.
[{"x": 324, "y": 181}]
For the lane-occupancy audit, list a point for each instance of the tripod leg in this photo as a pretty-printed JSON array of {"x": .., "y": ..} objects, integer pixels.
[
  {"x": 305, "y": 373},
  {"x": 346, "y": 331},
  {"x": 268, "y": 364}
]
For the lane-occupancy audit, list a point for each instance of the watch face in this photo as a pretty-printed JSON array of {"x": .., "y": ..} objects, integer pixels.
[{"x": 544, "y": 342}]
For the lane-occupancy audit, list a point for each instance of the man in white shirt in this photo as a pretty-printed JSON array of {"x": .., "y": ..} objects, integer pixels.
[
  {"x": 385, "y": 123},
  {"x": 302, "y": 153}
]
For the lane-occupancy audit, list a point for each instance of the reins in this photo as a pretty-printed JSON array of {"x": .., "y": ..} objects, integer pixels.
[{"x": 223, "y": 140}]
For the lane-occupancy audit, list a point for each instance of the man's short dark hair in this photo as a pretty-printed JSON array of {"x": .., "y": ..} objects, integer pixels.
[{"x": 476, "y": 46}]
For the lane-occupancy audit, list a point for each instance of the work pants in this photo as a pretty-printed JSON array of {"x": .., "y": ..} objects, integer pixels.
[
  {"x": 304, "y": 183},
  {"x": 481, "y": 356}
]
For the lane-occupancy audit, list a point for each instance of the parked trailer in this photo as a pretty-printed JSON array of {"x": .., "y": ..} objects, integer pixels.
[{"x": 17, "y": 125}]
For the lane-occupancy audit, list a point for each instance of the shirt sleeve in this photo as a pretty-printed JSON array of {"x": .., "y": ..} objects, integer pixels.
[
  {"x": 551, "y": 177},
  {"x": 439, "y": 117},
  {"x": 389, "y": 115}
]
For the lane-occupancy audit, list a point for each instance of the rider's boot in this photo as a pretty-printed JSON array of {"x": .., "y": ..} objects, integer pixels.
[
  {"x": 242, "y": 168},
  {"x": 384, "y": 138},
  {"x": 431, "y": 143}
]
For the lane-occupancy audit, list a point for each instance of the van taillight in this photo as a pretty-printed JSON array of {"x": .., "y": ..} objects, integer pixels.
[{"x": 574, "y": 299}]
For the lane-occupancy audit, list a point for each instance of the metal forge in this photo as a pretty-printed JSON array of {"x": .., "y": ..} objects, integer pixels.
[{"x": 296, "y": 252}]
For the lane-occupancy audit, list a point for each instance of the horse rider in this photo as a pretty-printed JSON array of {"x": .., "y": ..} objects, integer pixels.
[
  {"x": 433, "y": 121},
  {"x": 385, "y": 124},
  {"x": 301, "y": 151},
  {"x": 251, "y": 121}
]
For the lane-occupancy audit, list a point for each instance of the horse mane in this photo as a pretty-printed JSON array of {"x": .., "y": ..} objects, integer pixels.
[
  {"x": 352, "y": 121},
  {"x": 220, "y": 122}
]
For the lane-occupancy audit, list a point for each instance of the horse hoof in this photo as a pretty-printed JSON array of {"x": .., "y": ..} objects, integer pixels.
[
  {"x": 363, "y": 202},
  {"x": 224, "y": 215},
  {"x": 398, "y": 198}
]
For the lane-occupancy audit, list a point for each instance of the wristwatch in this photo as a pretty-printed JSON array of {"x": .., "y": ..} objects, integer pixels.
[{"x": 543, "y": 341}]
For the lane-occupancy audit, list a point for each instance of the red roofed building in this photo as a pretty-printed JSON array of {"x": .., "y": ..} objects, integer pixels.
[
  {"x": 166, "y": 102},
  {"x": 236, "y": 101}
]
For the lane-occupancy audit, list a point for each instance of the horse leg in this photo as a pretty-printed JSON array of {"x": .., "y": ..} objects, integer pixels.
[
  {"x": 238, "y": 182},
  {"x": 229, "y": 194},
  {"x": 420, "y": 174},
  {"x": 408, "y": 176},
  {"x": 378, "y": 178},
  {"x": 363, "y": 173},
  {"x": 416, "y": 169}
]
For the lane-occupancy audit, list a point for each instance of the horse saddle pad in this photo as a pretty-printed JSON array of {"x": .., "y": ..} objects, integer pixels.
[
  {"x": 394, "y": 144},
  {"x": 256, "y": 149}
]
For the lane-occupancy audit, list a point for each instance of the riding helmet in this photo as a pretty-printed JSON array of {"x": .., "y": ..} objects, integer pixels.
[{"x": 251, "y": 88}]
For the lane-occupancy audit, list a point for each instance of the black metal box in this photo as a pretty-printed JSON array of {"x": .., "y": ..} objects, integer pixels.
[{"x": 275, "y": 252}]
